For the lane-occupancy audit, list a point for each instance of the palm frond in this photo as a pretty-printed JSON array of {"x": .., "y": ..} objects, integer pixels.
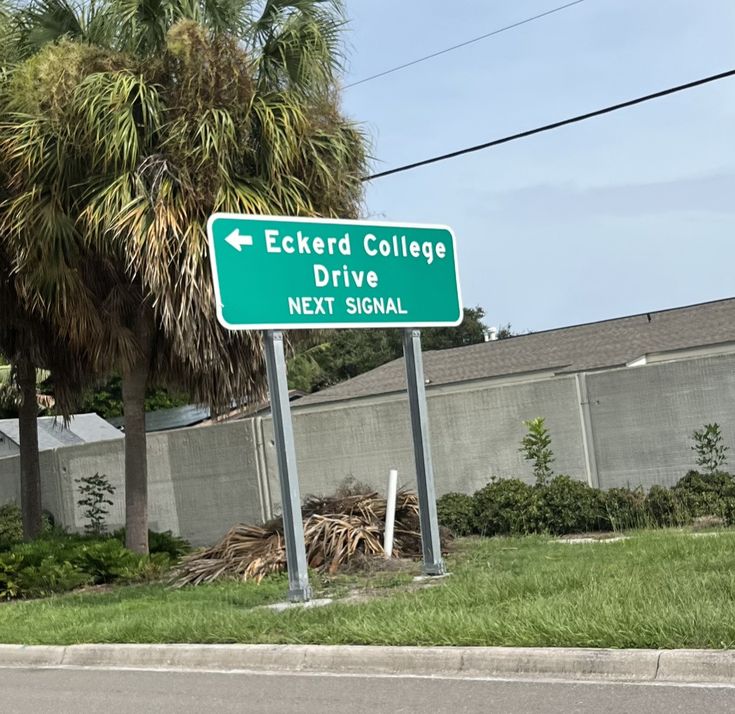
[{"x": 337, "y": 531}]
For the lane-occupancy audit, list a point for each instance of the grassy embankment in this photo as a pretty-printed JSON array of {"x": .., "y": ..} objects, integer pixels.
[{"x": 657, "y": 589}]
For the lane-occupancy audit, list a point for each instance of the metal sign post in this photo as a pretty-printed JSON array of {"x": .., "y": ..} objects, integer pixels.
[
  {"x": 430, "y": 544},
  {"x": 293, "y": 527}
]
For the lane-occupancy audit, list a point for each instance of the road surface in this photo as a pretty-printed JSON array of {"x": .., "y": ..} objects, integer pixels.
[{"x": 62, "y": 690}]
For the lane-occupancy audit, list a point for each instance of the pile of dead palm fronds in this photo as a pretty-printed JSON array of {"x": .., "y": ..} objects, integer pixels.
[{"x": 337, "y": 529}]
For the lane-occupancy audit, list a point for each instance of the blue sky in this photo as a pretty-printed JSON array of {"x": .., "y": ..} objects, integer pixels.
[{"x": 626, "y": 213}]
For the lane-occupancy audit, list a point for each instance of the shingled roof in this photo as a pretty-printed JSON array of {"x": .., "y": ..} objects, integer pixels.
[{"x": 592, "y": 346}]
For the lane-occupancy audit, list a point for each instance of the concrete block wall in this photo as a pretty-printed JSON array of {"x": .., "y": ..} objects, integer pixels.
[
  {"x": 632, "y": 427},
  {"x": 475, "y": 432},
  {"x": 200, "y": 481},
  {"x": 643, "y": 418}
]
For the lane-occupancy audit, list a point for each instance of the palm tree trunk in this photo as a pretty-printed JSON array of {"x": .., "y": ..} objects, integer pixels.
[
  {"x": 30, "y": 467},
  {"x": 136, "y": 459},
  {"x": 134, "y": 382}
]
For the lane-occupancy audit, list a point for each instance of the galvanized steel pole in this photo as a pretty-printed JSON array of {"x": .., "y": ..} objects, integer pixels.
[
  {"x": 433, "y": 563},
  {"x": 293, "y": 527}
]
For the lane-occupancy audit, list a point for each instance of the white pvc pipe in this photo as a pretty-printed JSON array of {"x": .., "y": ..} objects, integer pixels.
[{"x": 390, "y": 512}]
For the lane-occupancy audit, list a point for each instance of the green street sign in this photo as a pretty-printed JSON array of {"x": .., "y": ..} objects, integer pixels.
[{"x": 275, "y": 272}]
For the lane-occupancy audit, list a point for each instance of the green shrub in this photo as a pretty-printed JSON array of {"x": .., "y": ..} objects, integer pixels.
[
  {"x": 148, "y": 568},
  {"x": 62, "y": 562},
  {"x": 567, "y": 505},
  {"x": 9, "y": 568},
  {"x": 719, "y": 482},
  {"x": 164, "y": 542},
  {"x": 35, "y": 552},
  {"x": 666, "y": 507},
  {"x": 506, "y": 507},
  {"x": 48, "y": 577},
  {"x": 624, "y": 508},
  {"x": 23, "y": 578},
  {"x": 707, "y": 494},
  {"x": 456, "y": 512},
  {"x": 106, "y": 561},
  {"x": 11, "y": 526}
]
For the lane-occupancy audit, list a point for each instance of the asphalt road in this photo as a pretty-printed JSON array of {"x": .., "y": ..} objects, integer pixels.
[{"x": 58, "y": 691}]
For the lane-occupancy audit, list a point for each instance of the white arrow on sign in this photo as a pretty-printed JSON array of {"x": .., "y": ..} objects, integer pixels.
[{"x": 237, "y": 241}]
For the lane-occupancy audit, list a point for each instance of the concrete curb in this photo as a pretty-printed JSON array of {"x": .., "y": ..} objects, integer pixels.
[{"x": 711, "y": 666}]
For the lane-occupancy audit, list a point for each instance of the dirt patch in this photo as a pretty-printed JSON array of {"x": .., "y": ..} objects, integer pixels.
[
  {"x": 591, "y": 538},
  {"x": 707, "y": 523}
]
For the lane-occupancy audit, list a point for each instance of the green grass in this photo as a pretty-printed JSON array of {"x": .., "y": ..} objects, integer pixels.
[{"x": 657, "y": 589}]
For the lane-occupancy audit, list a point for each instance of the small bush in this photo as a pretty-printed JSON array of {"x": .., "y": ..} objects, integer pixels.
[
  {"x": 23, "y": 578},
  {"x": 506, "y": 507},
  {"x": 35, "y": 552},
  {"x": 106, "y": 561},
  {"x": 164, "y": 542},
  {"x": 50, "y": 576},
  {"x": 9, "y": 567},
  {"x": 624, "y": 509},
  {"x": 148, "y": 568},
  {"x": 11, "y": 526},
  {"x": 698, "y": 495},
  {"x": 567, "y": 505},
  {"x": 456, "y": 512},
  {"x": 62, "y": 562},
  {"x": 665, "y": 507},
  {"x": 719, "y": 482}
]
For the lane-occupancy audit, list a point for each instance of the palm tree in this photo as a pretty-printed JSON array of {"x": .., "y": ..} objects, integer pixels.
[
  {"x": 28, "y": 340},
  {"x": 118, "y": 153}
]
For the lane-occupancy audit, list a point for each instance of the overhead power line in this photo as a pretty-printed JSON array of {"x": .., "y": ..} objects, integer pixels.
[
  {"x": 555, "y": 125},
  {"x": 462, "y": 44}
]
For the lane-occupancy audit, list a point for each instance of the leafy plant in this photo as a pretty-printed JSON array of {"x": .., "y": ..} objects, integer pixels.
[
  {"x": 165, "y": 542},
  {"x": 9, "y": 587},
  {"x": 48, "y": 577},
  {"x": 95, "y": 491},
  {"x": 106, "y": 561},
  {"x": 707, "y": 494},
  {"x": 506, "y": 507},
  {"x": 536, "y": 447},
  {"x": 59, "y": 562},
  {"x": 11, "y": 526},
  {"x": 347, "y": 353},
  {"x": 665, "y": 507},
  {"x": 22, "y": 577},
  {"x": 456, "y": 512},
  {"x": 624, "y": 508},
  {"x": 106, "y": 400},
  {"x": 567, "y": 505},
  {"x": 711, "y": 452}
]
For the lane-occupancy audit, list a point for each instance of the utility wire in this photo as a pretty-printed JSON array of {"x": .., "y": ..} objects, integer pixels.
[
  {"x": 555, "y": 125},
  {"x": 463, "y": 44}
]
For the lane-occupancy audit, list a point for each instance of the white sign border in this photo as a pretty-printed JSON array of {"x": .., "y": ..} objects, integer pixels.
[{"x": 327, "y": 325}]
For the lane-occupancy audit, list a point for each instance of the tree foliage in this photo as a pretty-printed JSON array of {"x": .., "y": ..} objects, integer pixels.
[
  {"x": 536, "y": 448},
  {"x": 106, "y": 399},
  {"x": 709, "y": 447},
  {"x": 125, "y": 124},
  {"x": 348, "y": 353}
]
